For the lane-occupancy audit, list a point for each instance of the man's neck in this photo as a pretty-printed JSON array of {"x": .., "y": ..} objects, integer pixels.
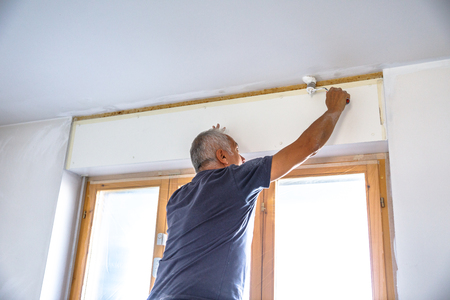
[{"x": 213, "y": 166}]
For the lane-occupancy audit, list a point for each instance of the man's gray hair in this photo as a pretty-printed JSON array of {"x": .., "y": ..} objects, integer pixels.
[{"x": 205, "y": 145}]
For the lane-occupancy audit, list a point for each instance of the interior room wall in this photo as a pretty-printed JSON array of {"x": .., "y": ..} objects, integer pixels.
[
  {"x": 32, "y": 159},
  {"x": 418, "y": 128}
]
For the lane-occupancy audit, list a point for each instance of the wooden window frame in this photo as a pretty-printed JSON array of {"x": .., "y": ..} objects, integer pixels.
[
  {"x": 263, "y": 246},
  {"x": 92, "y": 192},
  {"x": 262, "y": 263}
]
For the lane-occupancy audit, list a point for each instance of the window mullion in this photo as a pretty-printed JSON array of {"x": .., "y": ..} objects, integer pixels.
[
  {"x": 376, "y": 233},
  {"x": 161, "y": 226},
  {"x": 268, "y": 244},
  {"x": 256, "y": 257},
  {"x": 390, "y": 286}
]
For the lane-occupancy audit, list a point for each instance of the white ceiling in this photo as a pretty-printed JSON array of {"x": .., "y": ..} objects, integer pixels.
[{"x": 66, "y": 58}]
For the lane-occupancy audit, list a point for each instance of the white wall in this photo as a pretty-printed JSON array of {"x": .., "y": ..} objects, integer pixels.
[
  {"x": 31, "y": 166},
  {"x": 60, "y": 259},
  {"x": 418, "y": 123}
]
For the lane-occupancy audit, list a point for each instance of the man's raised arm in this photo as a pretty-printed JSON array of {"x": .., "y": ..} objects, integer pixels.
[{"x": 313, "y": 138}]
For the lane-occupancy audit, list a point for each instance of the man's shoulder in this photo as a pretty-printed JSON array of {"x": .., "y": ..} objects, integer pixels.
[{"x": 253, "y": 163}]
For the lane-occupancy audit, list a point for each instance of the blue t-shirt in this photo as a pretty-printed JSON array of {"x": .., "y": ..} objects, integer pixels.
[{"x": 210, "y": 229}]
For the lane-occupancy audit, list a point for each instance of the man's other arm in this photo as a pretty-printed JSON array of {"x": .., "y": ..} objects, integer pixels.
[{"x": 313, "y": 138}]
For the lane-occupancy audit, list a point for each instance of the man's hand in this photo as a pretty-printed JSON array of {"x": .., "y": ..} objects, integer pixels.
[{"x": 336, "y": 99}]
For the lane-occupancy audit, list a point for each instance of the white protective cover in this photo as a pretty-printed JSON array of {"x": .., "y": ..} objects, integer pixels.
[{"x": 32, "y": 159}]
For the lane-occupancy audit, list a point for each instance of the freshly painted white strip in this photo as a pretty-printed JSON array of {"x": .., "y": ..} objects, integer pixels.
[{"x": 258, "y": 123}]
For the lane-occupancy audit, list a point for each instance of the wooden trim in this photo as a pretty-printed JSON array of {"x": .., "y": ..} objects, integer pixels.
[
  {"x": 257, "y": 250},
  {"x": 376, "y": 234},
  {"x": 83, "y": 243},
  {"x": 268, "y": 245},
  {"x": 190, "y": 173},
  {"x": 390, "y": 285},
  {"x": 262, "y": 279},
  {"x": 153, "y": 175},
  {"x": 234, "y": 96},
  {"x": 327, "y": 170},
  {"x": 158, "y": 250},
  {"x": 110, "y": 186}
]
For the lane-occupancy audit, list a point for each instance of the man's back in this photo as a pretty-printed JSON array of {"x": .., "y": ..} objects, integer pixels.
[{"x": 210, "y": 230}]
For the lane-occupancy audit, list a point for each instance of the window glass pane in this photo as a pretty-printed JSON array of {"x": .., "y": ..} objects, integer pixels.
[
  {"x": 321, "y": 238},
  {"x": 121, "y": 250}
]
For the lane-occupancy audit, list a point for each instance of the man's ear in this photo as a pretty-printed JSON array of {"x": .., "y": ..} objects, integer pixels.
[{"x": 222, "y": 157}]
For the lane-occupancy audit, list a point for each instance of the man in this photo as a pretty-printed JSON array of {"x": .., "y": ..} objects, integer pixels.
[{"x": 210, "y": 220}]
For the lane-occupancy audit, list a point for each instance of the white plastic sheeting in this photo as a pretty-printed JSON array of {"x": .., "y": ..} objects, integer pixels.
[
  {"x": 32, "y": 159},
  {"x": 61, "y": 254}
]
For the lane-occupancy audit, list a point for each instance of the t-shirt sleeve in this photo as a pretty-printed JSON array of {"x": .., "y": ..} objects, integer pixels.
[{"x": 253, "y": 175}]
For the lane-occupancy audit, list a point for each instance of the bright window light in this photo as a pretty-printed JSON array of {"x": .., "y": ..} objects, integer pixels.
[
  {"x": 120, "y": 258},
  {"x": 322, "y": 238}
]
